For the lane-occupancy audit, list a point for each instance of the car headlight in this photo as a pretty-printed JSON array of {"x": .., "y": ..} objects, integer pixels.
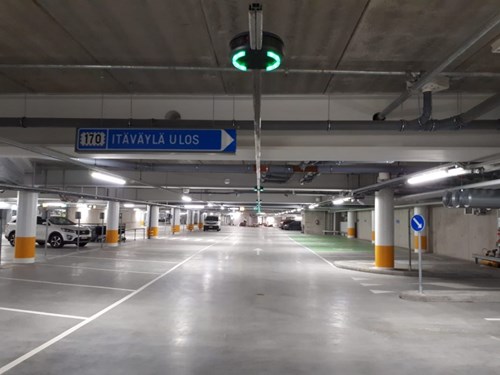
[{"x": 68, "y": 230}]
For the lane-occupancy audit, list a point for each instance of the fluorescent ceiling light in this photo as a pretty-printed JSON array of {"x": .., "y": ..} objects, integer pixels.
[
  {"x": 338, "y": 201},
  {"x": 108, "y": 178},
  {"x": 437, "y": 175},
  {"x": 128, "y": 205},
  {"x": 185, "y": 198},
  {"x": 53, "y": 204},
  {"x": 194, "y": 206},
  {"x": 210, "y": 204},
  {"x": 312, "y": 206}
]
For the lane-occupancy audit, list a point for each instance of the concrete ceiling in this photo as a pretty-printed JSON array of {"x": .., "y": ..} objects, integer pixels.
[{"x": 320, "y": 34}]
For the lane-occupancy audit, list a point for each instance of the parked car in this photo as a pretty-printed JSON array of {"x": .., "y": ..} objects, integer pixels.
[
  {"x": 211, "y": 222},
  {"x": 284, "y": 222},
  {"x": 58, "y": 230},
  {"x": 293, "y": 225}
]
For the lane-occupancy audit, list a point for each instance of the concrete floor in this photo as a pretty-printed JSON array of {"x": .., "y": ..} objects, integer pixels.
[{"x": 241, "y": 301}]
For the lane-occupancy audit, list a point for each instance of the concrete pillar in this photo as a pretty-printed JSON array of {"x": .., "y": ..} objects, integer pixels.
[
  {"x": 200, "y": 220},
  {"x": 373, "y": 226},
  {"x": 154, "y": 216},
  {"x": 176, "y": 220},
  {"x": 189, "y": 220},
  {"x": 384, "y": 228},
  {"x": 26, "y": 227},
  {"x": 196, "y": 219},
  {"x": 112, "y": 222},
  {"x": 420, "y": 238},
  {"x": 351, "y": 224}
]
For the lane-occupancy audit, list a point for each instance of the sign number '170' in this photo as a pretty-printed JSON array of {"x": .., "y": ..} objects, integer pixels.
[{"x": 156, "y": 140}]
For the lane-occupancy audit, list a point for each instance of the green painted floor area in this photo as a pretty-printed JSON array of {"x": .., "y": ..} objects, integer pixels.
[{"x": 331, "y": 243}]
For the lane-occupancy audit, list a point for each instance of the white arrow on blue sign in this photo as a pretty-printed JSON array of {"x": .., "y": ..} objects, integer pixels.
[
  {"x": 155, "y": 140},
  {"x": 417, "y": 223}
]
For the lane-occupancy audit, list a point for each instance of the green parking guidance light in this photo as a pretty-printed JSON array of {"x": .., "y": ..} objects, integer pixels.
[{"x": 268, "y": 58}]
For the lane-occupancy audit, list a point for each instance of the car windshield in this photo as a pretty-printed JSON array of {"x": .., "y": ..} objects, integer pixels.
[
  {"x": 57, "y": 220},
  {"x": 212, "y": 218}
]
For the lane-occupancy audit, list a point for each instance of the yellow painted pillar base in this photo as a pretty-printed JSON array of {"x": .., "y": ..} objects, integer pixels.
[
  {"x": 24, "y": 250},
  {"x": 112, "y": 237},
  {"x": 153, "y": 232},
  {"x": 351, "y": 232},
  {"x": 176, "y": 228},
  {"x": 422, "y": 245},
  {"x": 200, "y": 226},
  {"x": 190, "y": 227},
  {"x": 373, "y": 236},
  {"x": 384, "y": 256}
]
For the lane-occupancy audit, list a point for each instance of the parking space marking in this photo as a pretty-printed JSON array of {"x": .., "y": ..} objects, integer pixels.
[
  {"x": 126, "y": 259},
  {"x": 360, "y": 278},
  {"x": 367, "y": 284},
  {"x": 492, "y": 319},
  {"x": 97, "y": 269},
  {"x": 83, "y": 323},
  {"x": 375, "y": 291},
  {"x": 65, "y": 284},
  {"x": 319, "y": 256},
  {"x": 43, "y": 313}
]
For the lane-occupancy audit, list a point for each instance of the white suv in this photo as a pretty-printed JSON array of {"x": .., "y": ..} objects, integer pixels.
[
  {"x": 60, "y": 231},
  {"x": 211, "y": 222}
]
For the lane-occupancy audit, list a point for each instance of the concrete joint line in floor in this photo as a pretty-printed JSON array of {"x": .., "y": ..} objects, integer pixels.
[
  {"x": 43, "y": 313},
  {"x": 65, "y": 284},
  {"x": 75, "y": 328}
]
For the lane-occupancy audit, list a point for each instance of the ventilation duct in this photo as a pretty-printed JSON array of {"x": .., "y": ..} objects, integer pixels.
[{"x": 472, "y": 198}]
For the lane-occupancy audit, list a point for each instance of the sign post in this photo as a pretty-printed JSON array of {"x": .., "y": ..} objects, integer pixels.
[
  {"x": 418, "y": 224},
  {"x": 155, "y": 140}
]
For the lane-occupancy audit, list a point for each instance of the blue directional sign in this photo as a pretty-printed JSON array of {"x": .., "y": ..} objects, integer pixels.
[
  {"x": 156, "y": 140},
  {"x": 417, "y": 223}
]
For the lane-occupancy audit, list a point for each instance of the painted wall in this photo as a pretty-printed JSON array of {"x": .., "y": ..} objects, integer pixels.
[
  {"x": 310, "y": 219},
  {"x": 364, "y": 225},
  {"x": 459, "y": 236}
]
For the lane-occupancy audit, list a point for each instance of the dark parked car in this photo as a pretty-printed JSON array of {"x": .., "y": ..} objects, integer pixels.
[
  {"x": 293, "y": 225},
  {"x": 284, "y": 222}
]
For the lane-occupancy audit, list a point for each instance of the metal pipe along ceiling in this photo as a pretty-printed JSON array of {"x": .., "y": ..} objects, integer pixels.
[
  {"x": 430, "y": 75},
  {"x": 312, "y": 125},
  {"x": 472, "y": 198},
  {"x": 213, "y": 69}
]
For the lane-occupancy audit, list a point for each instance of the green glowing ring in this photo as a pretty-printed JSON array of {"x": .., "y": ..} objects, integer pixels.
[
  {"x": 237, "y": 61},
  {"x": 276, "y": 61}
]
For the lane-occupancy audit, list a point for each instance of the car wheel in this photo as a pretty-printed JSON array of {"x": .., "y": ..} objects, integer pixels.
[
  {"x": 12, "y": 238},
  {"x": 83, "y": 244},
  {"x": 218, "y": 229},
  {"x": 56, "y": 241}
]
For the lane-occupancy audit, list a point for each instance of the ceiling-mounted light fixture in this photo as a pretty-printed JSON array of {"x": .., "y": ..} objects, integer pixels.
[
  {"x": 339, "y": 201},
  {"x": 186, "y": 198},
  {"x": 312, "y": 206},
  {"x": 108, "y": 178},
  {"x": 437, "y": 175},
  {"x": 194, "y": 206},
  {"x": 128, "y": 205}
]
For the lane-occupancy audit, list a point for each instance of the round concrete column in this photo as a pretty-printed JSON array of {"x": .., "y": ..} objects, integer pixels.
[
  {"x": 112, "y": 223},
  {"x": 384, "y": 228},
  {"x": 351, "y": 224},
  {"x": 189, "y": 220},
  {"x": 154, "y": 215},
  {"x": 373, "y": 226},
  {"x": 200, "y": 220},
  {"x": 25, "y": 227},
  {"x": 420, "y": 238},
  {"x": 176, "y": 220}
]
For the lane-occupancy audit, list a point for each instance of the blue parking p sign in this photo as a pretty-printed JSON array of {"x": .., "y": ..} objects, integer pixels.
[{"x": 417, "y": 223}]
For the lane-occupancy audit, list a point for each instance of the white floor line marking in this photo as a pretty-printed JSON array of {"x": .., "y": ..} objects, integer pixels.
[
  {"x": 73, "y": 252},
  {"x": 75, "y": 328},
  {"x": 43, "y": 313},
  {"x": 368, "y": 284},
  {"x": 125, "y": 259},
  {"x": 495, "y": 338},
  {"x": 65, "y": 284},
  {"x": 492, "y": 319},
  {"x": 360, "y": 278},
  {"x": 97, "y": 269},
  {"x": 374, "y": 291},
  {"x": 319, "y": 256}
]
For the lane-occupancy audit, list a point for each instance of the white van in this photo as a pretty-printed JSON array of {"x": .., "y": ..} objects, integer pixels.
[{"x": 211, "y": 222}]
